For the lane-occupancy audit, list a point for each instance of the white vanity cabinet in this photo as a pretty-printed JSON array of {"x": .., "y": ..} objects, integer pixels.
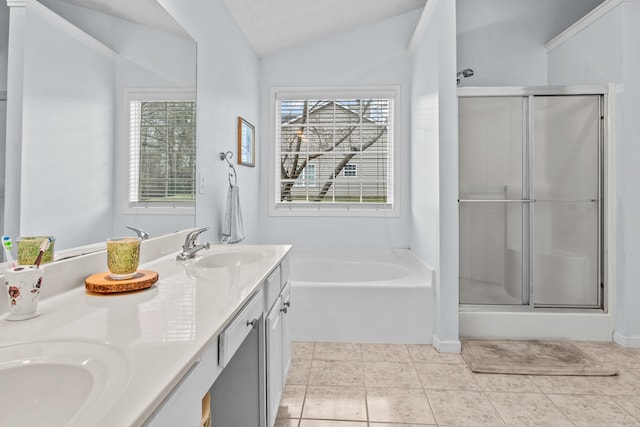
[
  {"x": 278, "y": 343},
  {"x": 244, "y": 368},
  {"x": 183, "y": 406}
]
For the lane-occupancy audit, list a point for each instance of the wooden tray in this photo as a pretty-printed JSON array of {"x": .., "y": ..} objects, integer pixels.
[{"x": 101, "y": 283}]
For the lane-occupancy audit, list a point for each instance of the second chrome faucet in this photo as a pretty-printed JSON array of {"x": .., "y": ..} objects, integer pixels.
[{"x": 190, "y": 248}]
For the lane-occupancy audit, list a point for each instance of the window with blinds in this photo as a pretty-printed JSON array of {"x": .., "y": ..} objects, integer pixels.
[
  {"x": 334, "y": 152},
  {"x": 162, "y": 150}
]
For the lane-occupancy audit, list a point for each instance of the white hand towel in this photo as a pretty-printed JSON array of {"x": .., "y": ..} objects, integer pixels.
[{"x": 232, "y": 227}]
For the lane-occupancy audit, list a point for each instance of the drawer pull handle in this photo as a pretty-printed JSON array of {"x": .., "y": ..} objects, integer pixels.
[
  {"x": 253, "y": 323},
  {"x": 287, "y": 304},
  {"x": 284, "y": 310}
]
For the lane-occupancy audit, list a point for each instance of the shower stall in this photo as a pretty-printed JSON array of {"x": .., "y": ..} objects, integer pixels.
[{"x": 531, "y": 202}]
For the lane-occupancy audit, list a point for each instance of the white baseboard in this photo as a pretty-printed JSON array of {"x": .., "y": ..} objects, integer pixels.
[
  {"x": 632, "y": 341},
  {"x": 450, "y": 346},
  {"x": 579, "y": 326}
]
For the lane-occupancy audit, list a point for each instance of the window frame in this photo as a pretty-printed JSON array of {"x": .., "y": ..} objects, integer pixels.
[
  {"x": 350, "y": 170},
  {"x": 151, "y": 95},
  {"x": 303, "y": 176},
  {"x": 276, "y": 208}
]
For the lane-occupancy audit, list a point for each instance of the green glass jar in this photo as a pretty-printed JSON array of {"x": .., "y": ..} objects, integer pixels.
[
  {"x": 29, "y": 248},
  {"x": 123, "y": 257}
]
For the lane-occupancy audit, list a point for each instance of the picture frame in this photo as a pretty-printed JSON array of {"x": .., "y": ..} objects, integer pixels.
[{"x": 246, "y": 143}]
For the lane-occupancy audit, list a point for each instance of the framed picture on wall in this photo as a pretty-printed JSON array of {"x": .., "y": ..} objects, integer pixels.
[{"x": 246, "y": 143}]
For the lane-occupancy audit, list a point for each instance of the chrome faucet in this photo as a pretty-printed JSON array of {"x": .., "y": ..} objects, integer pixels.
[
  {"x": 140, "y": 232},
  {"x": 190, "y": 248}
]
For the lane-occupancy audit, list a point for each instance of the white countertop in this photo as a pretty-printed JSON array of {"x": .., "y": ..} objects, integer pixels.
[{"x": 160, "y": 330}]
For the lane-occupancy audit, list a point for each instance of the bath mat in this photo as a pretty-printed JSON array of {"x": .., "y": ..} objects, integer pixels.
[{"x": 530, "y": 357}]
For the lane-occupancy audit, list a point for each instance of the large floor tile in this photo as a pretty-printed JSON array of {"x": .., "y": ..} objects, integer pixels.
[
  {"x": 397, "y": 425},
  {"x": 385, "y": 353},
  {"x": 585, "y": 410},
  {"x": 630, "y": 403},
  {"x": 280, "y": 422},
  {"x": 299, "y": 371},
  {"x": 463, "y": 408},
  {"x": 331, "y": 423},
  {"x": 425, "y": 353},
  {"x": 338, "y": 372},
  {"x": 611, "y": 354},
  {"x": 390, "y": 374},
  {"x": 292, "y": 400},
  {"x": 302, "y": 350},
  {"x": 528, "y": 409},
  {"x": 399, "y": 405},
  {"x": 506, "y": 383},
  {"x": 337, "y": 351},
  {"x": 556, "y": 384},
  {"x": 446, "y": 377},
  {"x": 335, "y": 403},
  {"x": 625, "y": 383}
]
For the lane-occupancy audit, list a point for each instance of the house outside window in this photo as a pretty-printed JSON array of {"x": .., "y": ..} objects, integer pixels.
[
  {"x": 162, "y": 149},
  {"x": 350, "y": 169},
  {"x": 307, "y": 177},
  {"x": 349, "y": 135}
]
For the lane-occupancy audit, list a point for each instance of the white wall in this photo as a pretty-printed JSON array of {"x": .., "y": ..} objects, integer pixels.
[
  {"x": 4, "y": 44},
  {"x": 503, "y": 40},
  {"x": 147, "y": 58},
  {"x": 67, "y": 136},
  {"x": 375, "y": 54},
  {"x": 593, "y": 56},
  {"x": 628, "y": 187},
  {"x": 227, "y": 88},
  {"x": 434, "y": 168},
  {"x": 607, "y": 51}
]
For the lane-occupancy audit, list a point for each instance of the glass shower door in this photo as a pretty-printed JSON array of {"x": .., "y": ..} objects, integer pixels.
[
  {"x": 492, "y": 208},
  {"x": 566, "y": 213}
]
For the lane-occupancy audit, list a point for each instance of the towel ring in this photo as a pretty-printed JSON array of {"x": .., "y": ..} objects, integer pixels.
[{"x": 226, "y": 156}]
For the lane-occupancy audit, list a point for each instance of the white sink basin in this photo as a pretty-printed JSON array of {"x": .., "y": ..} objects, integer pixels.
[
  {"x": 229, "y": 259},
  {"x": 59, "y": 383}
]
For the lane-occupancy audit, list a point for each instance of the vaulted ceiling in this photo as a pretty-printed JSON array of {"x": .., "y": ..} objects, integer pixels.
[
  {"x": 270, "y": 25},
  {"x": 275, "y": 25}
]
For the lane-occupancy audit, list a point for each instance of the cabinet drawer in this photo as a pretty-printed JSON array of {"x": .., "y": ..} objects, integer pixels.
[
  {"x": 234, "y": 334},
  {"x": 183, "y": 405},
  {"x": 272, "y": 289}
]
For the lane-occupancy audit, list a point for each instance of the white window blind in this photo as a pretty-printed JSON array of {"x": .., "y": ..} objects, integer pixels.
[
  {"x": 349, "y": 139},
  {"x": 162, "y": 149}
]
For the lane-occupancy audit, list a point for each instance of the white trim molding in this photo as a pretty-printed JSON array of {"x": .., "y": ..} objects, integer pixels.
[
  {"x": 591, "y": 17},
  {"x": 278, "y": 209},
  {"x": 590, "y": 325},
  {"x": 451, "y": 346},
  {"x": 422, "y": 24},
  {"x": 161, "y": 94},
  {"x": 65, "y": 26},
  {"x": 632, "y": 341}
]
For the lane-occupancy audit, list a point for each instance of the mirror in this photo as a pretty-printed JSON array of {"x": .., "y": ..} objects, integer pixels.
[{"x": 72, "y": 173}]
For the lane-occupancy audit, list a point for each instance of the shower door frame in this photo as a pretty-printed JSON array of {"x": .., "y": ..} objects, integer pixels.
[{"x": 605, "y": 188}]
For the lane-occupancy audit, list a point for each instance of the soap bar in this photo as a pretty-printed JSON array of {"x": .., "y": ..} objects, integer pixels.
[{"x": 101, "y": 283}]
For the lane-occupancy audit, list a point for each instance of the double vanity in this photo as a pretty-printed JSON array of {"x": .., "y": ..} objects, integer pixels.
[{"x": 217, "y": 324}]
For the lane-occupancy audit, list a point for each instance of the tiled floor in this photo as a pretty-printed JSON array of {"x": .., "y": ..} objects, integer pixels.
[{"x": 377, "y": 385}]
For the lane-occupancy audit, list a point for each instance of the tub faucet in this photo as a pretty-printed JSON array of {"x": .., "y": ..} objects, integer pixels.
[
  {"x": 190, "y": 248},
  {"x": 140, "y": 232}
]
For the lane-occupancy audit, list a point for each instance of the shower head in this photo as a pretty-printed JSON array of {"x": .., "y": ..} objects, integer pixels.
[{"x": 467, "y": 72}]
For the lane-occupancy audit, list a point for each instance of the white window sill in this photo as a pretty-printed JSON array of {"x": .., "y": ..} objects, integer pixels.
[
  {"x": 159, "y": 210},
  {"x": 331, "y": 211}
]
